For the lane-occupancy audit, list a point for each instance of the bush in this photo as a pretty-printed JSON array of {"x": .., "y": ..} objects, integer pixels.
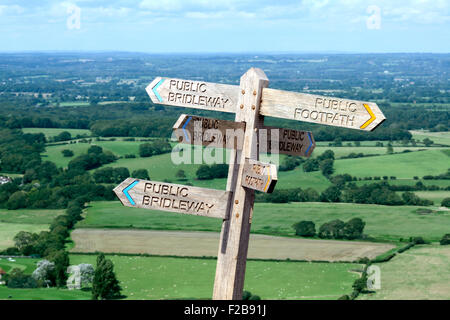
[
  {"x": 305, "y": 229},
  {"x": 445, "y": 202},
  {"x": 445, "y": 239},
  {"x": 67, "y": 153},
  {"x": 417, "y": 240},
  {"x": 17, "y": 279}
]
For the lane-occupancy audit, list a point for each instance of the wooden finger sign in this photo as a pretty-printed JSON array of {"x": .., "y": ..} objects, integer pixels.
[{"x": 259, "y": 176}]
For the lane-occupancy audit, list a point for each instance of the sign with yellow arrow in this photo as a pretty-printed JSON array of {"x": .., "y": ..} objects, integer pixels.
[{"x": 352, "y": 114}]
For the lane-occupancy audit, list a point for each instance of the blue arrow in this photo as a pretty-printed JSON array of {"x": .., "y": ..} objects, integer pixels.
[
  {"x": 156, "y": 88},
  {"x": 125, "y": 192},
  {"x": 310, "y": 142},
  {"x": 184, "y": 129}
]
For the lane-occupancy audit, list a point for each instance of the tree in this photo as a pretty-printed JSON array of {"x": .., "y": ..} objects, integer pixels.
[
  {"x": 305, "y": 229},
  {"x": 360, "y": 284},
  {"x": 427, "y": 142},
  {"x": 45, "y": 273},
  {"x": 311, "y": 165},
  {"x": 67, "y": 153},
  {"x": 331, "y": 194},
  {"x": 105, "y": 284},
  {"x": 63, "y": 136},
  {"x": 140, "y": 174},
  {"x": 180, "y": 174},
  {"x": 445, "y": 202},
  {"x": 24, "y": 240},
  {"x": 95, "y": 150},
  {"x": 17, "y": 200},
  {"x": 61, "y": 260},
  {"x": 389, "y": 148},
  {"x": 204, "y": 172},
  {"x": 326, "y": 166},
  {"x": 87, "y": 273},
  {"x": 353, "y": 229},
  {"x": 445, "y": 239},
  {"x": 18, "y": 279}
]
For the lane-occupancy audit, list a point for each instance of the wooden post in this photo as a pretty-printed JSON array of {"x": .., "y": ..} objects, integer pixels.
[{"x": 235, "y": 234}]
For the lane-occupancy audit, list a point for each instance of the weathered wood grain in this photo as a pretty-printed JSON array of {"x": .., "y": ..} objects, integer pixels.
[
  {"x": 292, "y": 142},
  {"x": 193, "y": 94},
  {"x": 210, "y": 133},
  {"x": 171, "y": 197},
  {"x": 234, "y": 237},
  {"x": 259, "y": 176},
  {"x": 330, "y": 111}
]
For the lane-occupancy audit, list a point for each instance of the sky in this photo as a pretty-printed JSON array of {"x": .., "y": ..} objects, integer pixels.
[{"x": 184, "y": 26}]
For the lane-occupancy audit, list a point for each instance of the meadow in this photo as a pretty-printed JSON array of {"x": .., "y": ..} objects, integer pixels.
[
  {"x": 384, "y": 223},
  {"x": 30, "y": 220},
  {"x": 52, "y": 132},
  {"x": 421, "y": 273}
]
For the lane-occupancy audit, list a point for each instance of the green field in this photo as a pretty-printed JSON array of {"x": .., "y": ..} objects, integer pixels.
[
  {"x": 182, "y": 278},
  {"x": 405, "y": 165},
  {"x": 408, "y": 182},
  {"x": 52, "y": 132},
  {"x": 420, "y": 273},
  {"x": 437, "y": 137},
  {"x": 30, "y": 220},
  {"x": 384, "y": 223},
  {"x": 435, "y": 196}
]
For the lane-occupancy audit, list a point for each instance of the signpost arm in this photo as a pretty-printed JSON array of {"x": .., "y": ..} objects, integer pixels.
[{"x": 234, "y": 237}]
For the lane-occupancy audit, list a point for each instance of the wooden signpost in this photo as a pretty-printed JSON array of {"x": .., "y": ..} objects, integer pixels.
[
  {"x": 250, "y": 101},
  {"x": 209, "y": 132}
]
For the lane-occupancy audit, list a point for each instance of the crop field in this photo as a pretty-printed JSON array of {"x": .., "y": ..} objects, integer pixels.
[
  {"x": 420, "y": 273},
  {"x": 437, "y": 137},
  {"x": 182, "y": 278},
  {"x": 52, "y": 132},
  {"x": 405, "y": 165},
  {"x": 385, "y": 223},
  {"x": 199, "y": 244},
  {"x": 13, "y": 221}
]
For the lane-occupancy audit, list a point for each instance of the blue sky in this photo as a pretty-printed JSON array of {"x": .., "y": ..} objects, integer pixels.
[{"x": 226, "y": 25}]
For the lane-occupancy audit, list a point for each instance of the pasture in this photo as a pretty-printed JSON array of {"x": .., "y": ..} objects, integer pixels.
[
  {"x": 404, "y": 165},
  {"x": 53, "y": 132},
  {"x": 30, "y": 220},
  {"x": 420, "y": 273},
  {"x": 199, "y": 244},
  {"x": 191, "y": 278},
  {"x": 384, "y": 223}
]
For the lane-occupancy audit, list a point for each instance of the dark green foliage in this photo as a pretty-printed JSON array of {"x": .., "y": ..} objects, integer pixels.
[
  {"x": 326, "y": 166},
  {"x": 156, "y": 147},
  {"x": 408, "y": 246},
  {"x": 360, "y": 284},
  {"x": 61, "y": 260},
  {"x": 290, "y": 163},
  {"x": 17, "y": 279},
  {"x": 17, "y": 200},
  {"x": 214, "y": 171},
  {"x": 67, "y": 153},
  {"x": 411, "y": 199},
  {"x": 337, "y": 229},
  {"x": 247, "y": 295},
  {"x": 445, "y": 202},
  {"x": 417, "y": 240},
  {"x": 311, "y": 165},
  {"x": 305, "y": 229},
  {"x": 63, "y": 136},
  {"x": 445, "y": 239},
  {"x": 140, "y": 174},
  {"x": 344, "y": 297},
  {"x": 105, "y": 284},
  {"x": 331, "y": 194}
]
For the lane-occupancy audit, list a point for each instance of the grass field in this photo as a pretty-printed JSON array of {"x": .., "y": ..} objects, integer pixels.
[
  {"x": 437, "y": 137},
  {"x": 386, "y": 223},
  {"x": 435, "y": 196},
  {"x": 13, "y": 221},
  {"x": 181, "y": 278},
  {"x": 405, "y": 165},
  {"x": 199, "y": 244},
  {"x": 52, "y": 132},
  {"x": 9, "y": 230},
  {"x": 420, "y": 273}
]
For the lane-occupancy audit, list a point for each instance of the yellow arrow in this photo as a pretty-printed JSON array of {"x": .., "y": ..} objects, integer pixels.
[
  {"x": 372, "y": 116},
  {"x": 268, "y": 179}
]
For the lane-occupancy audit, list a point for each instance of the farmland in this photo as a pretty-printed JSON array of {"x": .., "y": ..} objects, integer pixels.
[
  {"x": 420, "y": 273},
  {"x": 385, "y": 223},
  {"x": 199, "y": 244},
  {"x": 52, "y": 132},
  {"x": 13, "y": 221}
]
